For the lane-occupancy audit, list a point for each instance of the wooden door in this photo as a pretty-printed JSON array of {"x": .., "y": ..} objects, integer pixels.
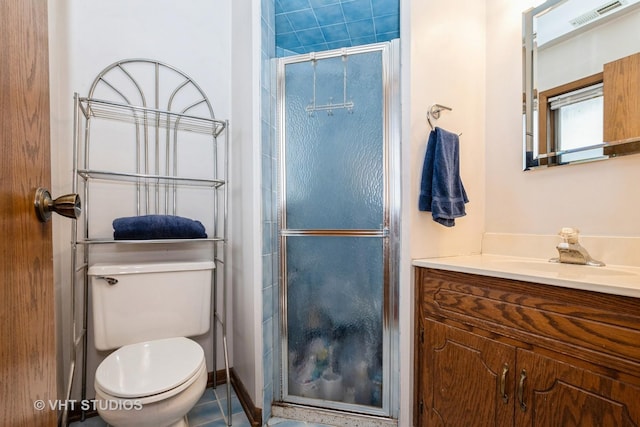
[
  {"x": 462, "y": 379},
  {"x": 559, "y": 394},
  {"x": 27, "y": 332}
]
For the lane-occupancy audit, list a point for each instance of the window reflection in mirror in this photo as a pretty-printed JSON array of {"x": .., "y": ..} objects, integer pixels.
[
  {"x": 566, "y": 44},
  {"x": 571, "y": 118},
  {"x": 578, "y": 125}
]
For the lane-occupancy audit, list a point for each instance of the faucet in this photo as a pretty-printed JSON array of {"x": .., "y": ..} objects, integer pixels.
[{"x": 572, "y": 252}]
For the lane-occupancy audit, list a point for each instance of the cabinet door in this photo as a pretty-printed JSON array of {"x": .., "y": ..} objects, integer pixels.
[
  {"x": 465, "y": 377},
  {"x": 554, "y": 393},
  {"x": 621, "y": 99}
]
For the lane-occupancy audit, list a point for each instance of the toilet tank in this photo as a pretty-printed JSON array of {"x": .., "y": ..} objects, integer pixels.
[{"x": 147, "y": 301}]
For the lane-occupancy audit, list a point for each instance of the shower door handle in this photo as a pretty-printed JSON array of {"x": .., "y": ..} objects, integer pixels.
[{"x": 68, "y": 205}]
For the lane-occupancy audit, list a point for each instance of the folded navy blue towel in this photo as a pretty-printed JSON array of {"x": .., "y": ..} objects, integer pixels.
[
  {"x": 441, "y": 189},
  {"x": 157, "y": 227}
]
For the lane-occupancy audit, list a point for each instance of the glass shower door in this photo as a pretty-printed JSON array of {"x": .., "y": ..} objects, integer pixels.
[{"x": 335, "y": 230}]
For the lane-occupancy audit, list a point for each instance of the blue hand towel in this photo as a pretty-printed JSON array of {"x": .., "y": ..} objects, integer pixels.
[
  {"x": 157, "y": 227},
  {"x": 441, "y": 189}
]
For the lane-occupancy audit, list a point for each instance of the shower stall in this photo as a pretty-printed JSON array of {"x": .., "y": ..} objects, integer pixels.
[{"x": 338, "y": 120}]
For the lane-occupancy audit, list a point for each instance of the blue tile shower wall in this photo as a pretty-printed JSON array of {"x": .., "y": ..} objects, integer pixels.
[
  {"x": 269, "y": 203},
  {"x": 303, "y": 26}
]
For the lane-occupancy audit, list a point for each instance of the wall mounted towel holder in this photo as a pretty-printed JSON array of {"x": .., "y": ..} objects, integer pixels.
[{"x": 434, "y": 111}]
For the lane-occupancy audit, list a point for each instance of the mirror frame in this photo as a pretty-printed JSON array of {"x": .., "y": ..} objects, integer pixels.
[
  {"x": 528, "y": 91},
  {"x": 530, "y": 98}
]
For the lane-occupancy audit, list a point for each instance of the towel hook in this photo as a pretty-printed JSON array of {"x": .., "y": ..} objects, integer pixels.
[{"x": 435, "y": 111}]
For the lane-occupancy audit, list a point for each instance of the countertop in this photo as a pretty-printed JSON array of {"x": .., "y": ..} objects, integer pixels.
[{"x": 611, "y": 279}]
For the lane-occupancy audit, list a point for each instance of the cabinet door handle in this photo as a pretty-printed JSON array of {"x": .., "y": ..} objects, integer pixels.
[
  {"x": 523, "y": 377},
  {"x": 503, "y": 383}
]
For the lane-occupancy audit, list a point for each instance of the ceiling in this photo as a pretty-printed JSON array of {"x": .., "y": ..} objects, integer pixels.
[{"x": 304, "y": 26}]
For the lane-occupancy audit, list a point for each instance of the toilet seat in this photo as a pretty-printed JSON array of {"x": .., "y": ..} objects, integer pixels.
[{"x": 151, "y": 370}]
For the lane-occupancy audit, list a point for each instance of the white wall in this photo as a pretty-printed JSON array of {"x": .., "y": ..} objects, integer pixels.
[
  {"x": 598, "y": 197},
  {"x": 443, "y": 62},
  {"x": 88, "y": 35},
  {"x": 245, "y": 221},
  {"x": 447, "y": 48}
]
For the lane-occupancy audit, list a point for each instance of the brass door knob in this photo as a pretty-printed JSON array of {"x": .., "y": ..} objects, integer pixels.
[{"x": 67, "y": 205}]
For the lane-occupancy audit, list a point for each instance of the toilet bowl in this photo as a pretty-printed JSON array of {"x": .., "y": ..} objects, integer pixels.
[
  {"x": 143, "y": 311},
  {"x": 151, "y": 384}
]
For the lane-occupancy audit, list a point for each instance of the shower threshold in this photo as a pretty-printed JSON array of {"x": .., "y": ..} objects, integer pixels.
[{"x": 328, "y": 416}]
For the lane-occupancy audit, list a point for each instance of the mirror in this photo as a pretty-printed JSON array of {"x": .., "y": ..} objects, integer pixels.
[{"x": 581, "y": 81}]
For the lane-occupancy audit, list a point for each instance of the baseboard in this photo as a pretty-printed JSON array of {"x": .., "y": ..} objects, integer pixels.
[
  {"x": 221, "y": 378},
  {"x": 254, "y": 414},
  {"x": 76, "y": 415}
]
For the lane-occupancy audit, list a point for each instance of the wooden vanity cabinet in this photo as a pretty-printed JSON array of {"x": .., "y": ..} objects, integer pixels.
[{"x": 498, "y": 352}]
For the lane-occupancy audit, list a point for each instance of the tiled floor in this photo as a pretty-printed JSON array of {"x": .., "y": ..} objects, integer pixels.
[{"x": 209, "y": 411}]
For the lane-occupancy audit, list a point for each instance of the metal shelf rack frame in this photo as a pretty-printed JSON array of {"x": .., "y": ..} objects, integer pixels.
[{"x": 163, "y": 108}]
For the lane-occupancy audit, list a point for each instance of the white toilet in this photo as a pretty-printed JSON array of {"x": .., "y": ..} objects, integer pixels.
[{"x": 145, "y": 311}]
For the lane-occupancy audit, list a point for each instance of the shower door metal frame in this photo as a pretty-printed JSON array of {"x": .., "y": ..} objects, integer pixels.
[{"x": 390, "y": 231}]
